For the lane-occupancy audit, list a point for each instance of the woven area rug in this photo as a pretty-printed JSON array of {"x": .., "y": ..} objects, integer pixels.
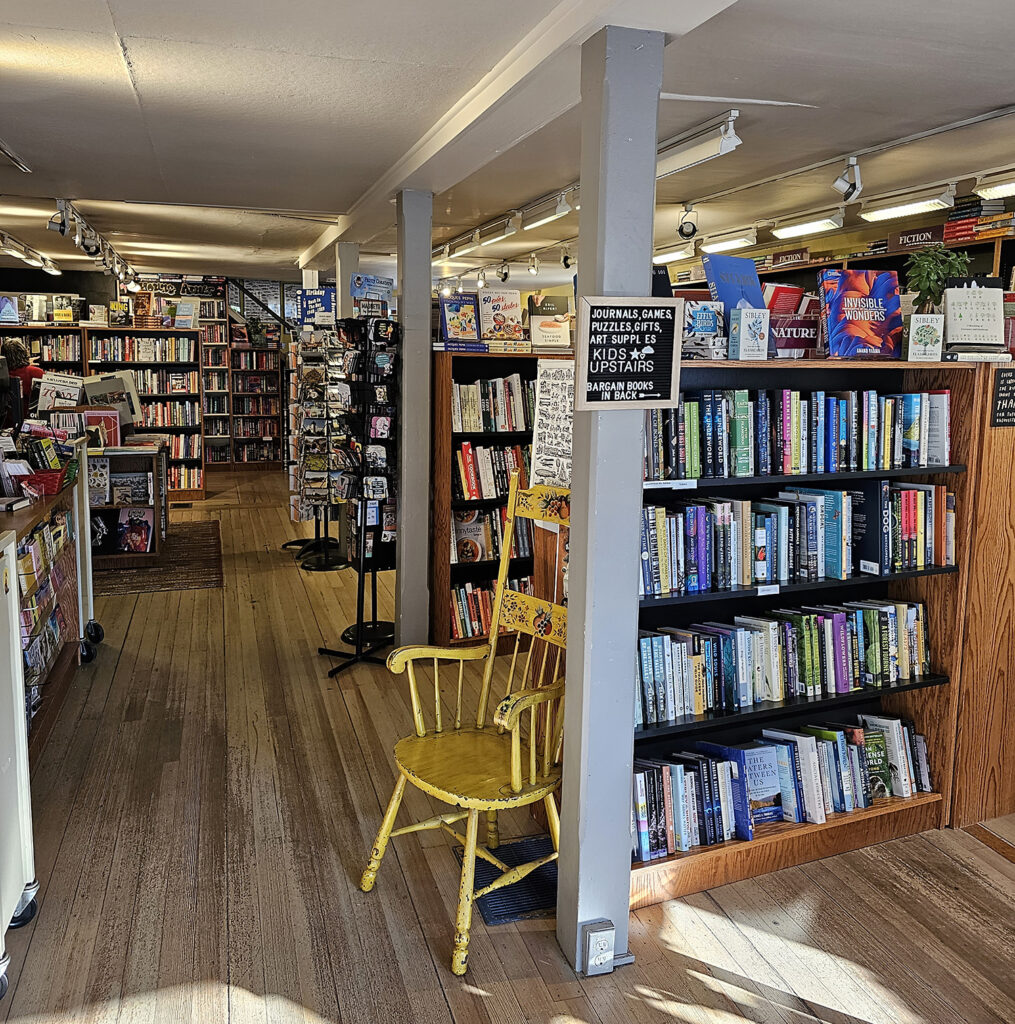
[{"x": 191, "y": 560}]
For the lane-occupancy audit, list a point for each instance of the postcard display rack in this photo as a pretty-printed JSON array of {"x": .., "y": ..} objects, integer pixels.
[
  {"x": 365, "y": 449},
  {"x": 931, "y": 700}
]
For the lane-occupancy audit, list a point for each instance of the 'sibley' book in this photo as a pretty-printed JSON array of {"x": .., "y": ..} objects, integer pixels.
[{"x": 861, "y": 313}]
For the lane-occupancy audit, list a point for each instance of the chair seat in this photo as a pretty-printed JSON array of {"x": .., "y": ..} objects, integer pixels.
[{"x": 469, "y": 767}]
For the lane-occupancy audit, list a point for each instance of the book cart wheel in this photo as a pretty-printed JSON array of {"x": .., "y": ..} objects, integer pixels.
[
  {"x": 25, "y": 916},
  {"x": 87, "y": 652},
  {"x": 95, "y": 632}
]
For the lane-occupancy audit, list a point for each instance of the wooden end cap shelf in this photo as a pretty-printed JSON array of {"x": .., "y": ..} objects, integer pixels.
[{"x": 781, "y": 845}]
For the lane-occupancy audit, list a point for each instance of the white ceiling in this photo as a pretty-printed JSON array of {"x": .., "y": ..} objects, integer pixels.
[{"x": 241, "y": 130}]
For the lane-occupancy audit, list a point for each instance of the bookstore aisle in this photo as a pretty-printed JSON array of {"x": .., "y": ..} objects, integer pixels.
[{"x": 208, "y": 795}]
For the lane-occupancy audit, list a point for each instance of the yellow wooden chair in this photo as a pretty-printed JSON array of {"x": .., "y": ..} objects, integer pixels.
[{"x": 478, "y": 765}]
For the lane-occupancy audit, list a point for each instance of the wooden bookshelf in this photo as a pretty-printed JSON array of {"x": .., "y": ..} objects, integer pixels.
[
  {"x": 37, "y": 336},
  {"x": 931, "y": 701},
  {"x": 95, "y": 335},
  {"x": 450, "y": 368},
  {"x": 781, "y": 845}
]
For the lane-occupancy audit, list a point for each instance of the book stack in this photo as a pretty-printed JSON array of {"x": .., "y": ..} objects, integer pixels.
[
  {"x": 498, "y": 405},
  {"x": 721, "y": 791},
  {"x": 877, "y": 247},
  {"x": 472, "y": 607},
  {"x": 485, "y": 472},
  {"x": 973, "y": 219},
  {"x": 783, "y": 654},
  {"x": 479, "y": 536},
  {"x": 743, "y": 433}
]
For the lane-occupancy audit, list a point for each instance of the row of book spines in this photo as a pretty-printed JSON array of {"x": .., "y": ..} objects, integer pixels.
[
  {"x": 256, "y": 451},
  {"x": 163, "y": 382},
  {"x": 472, "y": 607},
  {"x": 716, "y": 793},
  {"x": 256, "y": 407},
  {"x": 176, "y": 350},
  {"x": 485, "y": 472},
  {"x": 497, "y": 405},
  {"x": 171, "y": 414},
  {"x": 727, "y": 433},
  {"x": 257, "y": 429},
  {"x": 185, "y": 446},
  {"x": 185, "y": 478},
  {"x": 255, "y": 361},
  {"x": 61, "y": 350},
  {"x": 800, "y": 536},
  {"x": 492, "y": 524},
  {"x": 786, "y": 653}
]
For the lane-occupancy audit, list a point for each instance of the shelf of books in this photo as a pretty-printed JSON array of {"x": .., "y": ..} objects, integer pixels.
[
  {"x": 167, "y": 367},
  {"x": 218, "y": 428},
  {"x": 127, "y": 487},
  {"x": 804, "y": 570},
  {"x": 257, "y": 403},
  {"x": 55, "y": 346}
]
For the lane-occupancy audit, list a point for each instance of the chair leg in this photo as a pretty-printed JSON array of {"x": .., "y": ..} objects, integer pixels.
[
  {"x": 463, "y": 919},
  {"x": 492, "y": 831},
  {"x": 553, "y": 820},
  {"x": 383, "y": 834}
]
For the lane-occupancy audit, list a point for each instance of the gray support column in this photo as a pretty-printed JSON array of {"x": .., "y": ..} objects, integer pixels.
[
  {"x": 310, "y": 278},
  {"x": 621, "y": 76},
  {"x": 346, "y": 264},
  {"x": 414, "y": 211}
]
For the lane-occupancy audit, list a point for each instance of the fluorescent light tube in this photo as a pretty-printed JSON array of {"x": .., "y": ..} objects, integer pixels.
[
  {"x": 731, "y": 240},
  {"x": 501, "y": 230},
  {"x": 808, "y": 227},
  {"x": 32, "y": 259},
  {"x": 51, "y": 268},
  {"x": 715, "y": 137},
  {"x": 996, "y": 186},
  {"x": 908, "y": 204},
  {"x": 471, "y": 244},
  {"x": 545, "y": 214},
  {"x": 674, "y": 255}
]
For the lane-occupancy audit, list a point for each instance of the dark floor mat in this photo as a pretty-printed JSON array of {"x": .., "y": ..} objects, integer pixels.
[{"x": 534, "y": 896}]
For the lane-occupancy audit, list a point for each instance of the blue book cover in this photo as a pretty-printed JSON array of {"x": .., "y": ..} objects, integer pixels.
[
  {"x": 648, "y": 684},
  {"x": 727, "y": 664},
  {"x": 701, "y": 538},
  {"x": 770, "y": 547},
  {"x": 733, "y": 281},
  {"x": 832, "y": 435},
  {"x": 763, "y": 783},
  {"x": 691, "y": 582},
  {"x": 843, "y": 434},
  {"x": 911, "y": 430},
  {"x": 792, "y": 808},
  {"x": 743, "y": 821}
]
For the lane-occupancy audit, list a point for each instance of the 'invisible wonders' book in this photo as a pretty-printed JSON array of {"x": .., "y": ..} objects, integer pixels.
[{"x": 861, "y": 313}]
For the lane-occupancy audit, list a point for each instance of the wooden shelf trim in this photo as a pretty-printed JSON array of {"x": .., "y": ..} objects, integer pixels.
[
  {"x": 773, "y": 589},
  {"x": 769, "y": 710},
  {"x": 780, "y": 846},
  {"x": 710, "y": 482}
]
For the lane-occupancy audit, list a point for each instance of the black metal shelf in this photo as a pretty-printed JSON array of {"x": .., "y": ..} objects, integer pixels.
[
  {"x": 712, "y": 483},
  {"x": 459, "y": 503},
  {"x": 768, "y": 710},
  {"x": 771, "y": 589}
]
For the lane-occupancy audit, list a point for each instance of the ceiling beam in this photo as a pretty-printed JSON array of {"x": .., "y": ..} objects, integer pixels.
[{"x": 535, "y": 83}]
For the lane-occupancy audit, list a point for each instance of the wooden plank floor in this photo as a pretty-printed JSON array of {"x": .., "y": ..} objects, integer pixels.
[{"x": 206, "y": 801}]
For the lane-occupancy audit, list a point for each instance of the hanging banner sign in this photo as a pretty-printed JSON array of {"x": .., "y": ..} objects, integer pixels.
[
  {"x": 317, "y": 307},
  {"x": 628, "y": 353}
]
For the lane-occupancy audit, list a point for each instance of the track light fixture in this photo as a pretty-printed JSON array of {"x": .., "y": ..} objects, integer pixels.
[
  {"x": 481, "y": 279},
  {"x": 90, "y": 242},
  {"x": 908, "y": 204},
  {"x": 712, "y": 138},
  {"x": 501, "y": 229},
  {"x": 133, "y": 285},
  {"x": 730, "y": 240},
  {"x": 999, "y": 185},
  {"x": 533, "y": 267},
  {"x": 812, "y": 225},
  {"x": 446, "y": 288},
  {"x": 458, "y": 286},
  {"x": 504, "y": 273},
  {"x": 849, "y": 183},
  {"x": 688, "y": 226},
  {"x": 566, "y": 259},
  {"x": 51, "y": 268},
  {"x": 546, "y": 212}
]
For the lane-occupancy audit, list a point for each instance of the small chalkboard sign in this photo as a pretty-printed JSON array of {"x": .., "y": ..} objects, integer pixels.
[
  {"x": 1004, "y": 399},
  {"x": 628, "y": 353}
]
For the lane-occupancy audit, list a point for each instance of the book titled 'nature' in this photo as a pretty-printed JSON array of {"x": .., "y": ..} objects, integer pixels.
[{"x": 861, "y": 313}]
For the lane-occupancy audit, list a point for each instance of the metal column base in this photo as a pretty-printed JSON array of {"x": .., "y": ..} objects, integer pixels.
[{"x": 376, "y": 632}]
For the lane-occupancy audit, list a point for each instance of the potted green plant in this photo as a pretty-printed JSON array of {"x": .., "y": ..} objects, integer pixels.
[{"x": 927, "y": 273}]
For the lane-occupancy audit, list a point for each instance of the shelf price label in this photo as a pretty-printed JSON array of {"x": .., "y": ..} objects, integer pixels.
[
  {"x": 628, "y": 353},
  {"x": 768, "y": 589}
]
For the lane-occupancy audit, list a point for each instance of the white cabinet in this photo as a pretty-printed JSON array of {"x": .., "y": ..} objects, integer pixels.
[{"x": 17, "y": 856}]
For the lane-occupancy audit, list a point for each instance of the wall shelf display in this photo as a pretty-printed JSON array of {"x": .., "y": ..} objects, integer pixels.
[
  {"x": 931, "y": 593},
  {"x": 55, "y": 346},
  {"x": 483, "y": 406},
  {"x": 163, "y": 361}
]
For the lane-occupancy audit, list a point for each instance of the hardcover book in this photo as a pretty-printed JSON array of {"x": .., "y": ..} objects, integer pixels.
[
  {"x": 733, "y": 281},
  {"x": 861, "y": 313},
  {"x": 459, "y": 317},
  {"x": 500, "y": 314},
  {"x": 550, "y": 321}
]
